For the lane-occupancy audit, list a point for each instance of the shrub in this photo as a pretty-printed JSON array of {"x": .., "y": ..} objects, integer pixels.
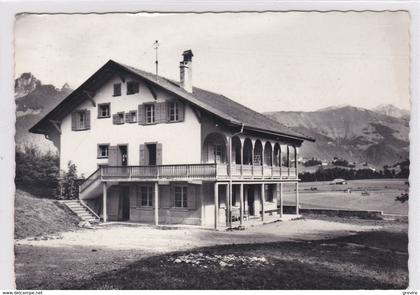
[
  {"x": 68, "y": 185},
  {"x": 312, "y": 162}
]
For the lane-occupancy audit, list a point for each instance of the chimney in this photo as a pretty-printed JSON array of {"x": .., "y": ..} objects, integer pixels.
[{"x": 185, "y": 67}]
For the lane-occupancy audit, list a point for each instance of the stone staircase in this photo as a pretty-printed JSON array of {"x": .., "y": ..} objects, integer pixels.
[{"x": 81, "y": 211}]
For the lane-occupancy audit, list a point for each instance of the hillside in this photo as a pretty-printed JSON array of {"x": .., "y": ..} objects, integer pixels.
[
  {"x": 38, "y": 217},
  {"x": 351, "y": 133},
  {"x": 33, "y": 101}
]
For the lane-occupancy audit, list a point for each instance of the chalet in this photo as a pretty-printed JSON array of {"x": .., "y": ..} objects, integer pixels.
[{"x": 164, "y": 152}]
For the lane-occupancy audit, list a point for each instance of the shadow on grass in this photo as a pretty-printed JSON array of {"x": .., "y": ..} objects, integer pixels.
[{"x": 370, "y": 260}]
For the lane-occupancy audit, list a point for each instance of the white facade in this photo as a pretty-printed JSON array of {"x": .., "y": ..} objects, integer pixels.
[{"x": 181, "y": 141}]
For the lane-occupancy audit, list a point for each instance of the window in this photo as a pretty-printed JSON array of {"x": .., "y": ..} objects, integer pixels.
[
  {"x": 118, "y": 118},
  {"x": 150, "y": 113},
  {"x": 132, "y": 87},
  {"x": 181, "y": 197},
  {"x": 104, "y": 110},
  {"x": 145, "y": 196},
  {"x": 257, "y": 160},
  {"x": 80, "y": 120},
  {"x": 117, "y": 89},
  {"x": 269, "y": 193},
  {"x": 174, "y": 111},
  {"x": 218, "y": 153},
  {"x": 103, "y": 150},
  {"x": 131, "y": 117}
]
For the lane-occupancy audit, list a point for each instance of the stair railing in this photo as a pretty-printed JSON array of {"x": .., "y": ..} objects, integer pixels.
[
  {"x": 90, "y": 210},
  {"x": 91, "y": 179}
]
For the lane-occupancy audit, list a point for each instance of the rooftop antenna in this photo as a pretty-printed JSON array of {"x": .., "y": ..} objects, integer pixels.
[{"x": 155, "y": 47}]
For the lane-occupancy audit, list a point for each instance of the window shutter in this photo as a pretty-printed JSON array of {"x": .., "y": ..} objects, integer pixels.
[
  {"x": 157, "y": 112},
  {"x": 171, "y": 196},
  {"x": 113, "y": 156},
  {"x": 87, "y": 119},
  {"x": 142, "y": 114},
  {"x": 74, "y": 121},
  {"x": 128, "y": 117},
  {"x": 152, "y": 190},
  {"x": 161, "y": 114},
  {"x": 181, "y": 115},
  {"x": 165, "y": 196},
  {"x": 115, "y": 119},
  {"x": 191, "y": 197},
  {"x": 159, "y": 154},
  {"x": 142, "y": 155}
]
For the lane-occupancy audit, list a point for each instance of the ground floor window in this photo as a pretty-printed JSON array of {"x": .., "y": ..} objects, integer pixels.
[
  {"x": 145, "y": 196},
  {"x": 181, "y": 193}
]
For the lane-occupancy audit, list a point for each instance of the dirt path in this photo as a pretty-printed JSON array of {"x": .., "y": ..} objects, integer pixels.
[{"x": 148, "y": 239}]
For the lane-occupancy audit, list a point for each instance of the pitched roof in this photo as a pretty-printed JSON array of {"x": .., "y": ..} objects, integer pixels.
[{"x": 214, "y": 103}]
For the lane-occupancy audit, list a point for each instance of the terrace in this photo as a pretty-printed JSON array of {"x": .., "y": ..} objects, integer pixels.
[{"x": 209, "y": 172}]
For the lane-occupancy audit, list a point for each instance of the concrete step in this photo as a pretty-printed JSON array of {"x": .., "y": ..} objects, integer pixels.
[
  {"x": 75, "y": 207},
  {"x": 81, "y": 211}
]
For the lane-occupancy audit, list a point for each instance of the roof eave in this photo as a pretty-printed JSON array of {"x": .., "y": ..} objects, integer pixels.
[{"x": 301, "y": 138}]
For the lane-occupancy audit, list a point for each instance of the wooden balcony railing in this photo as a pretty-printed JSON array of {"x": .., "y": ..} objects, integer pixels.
[{"x": 189, "y": 171}]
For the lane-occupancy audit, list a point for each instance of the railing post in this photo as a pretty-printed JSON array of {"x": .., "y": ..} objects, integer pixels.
[
  {"x": 104, "y": 201},
  {"x": 156, "y": 204},
  {"x": 216, "y": 205},
  {"x": 262, "y": 201}
]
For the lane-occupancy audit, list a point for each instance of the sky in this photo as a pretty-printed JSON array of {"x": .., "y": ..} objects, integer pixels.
[{"x": 276, "y": 61}]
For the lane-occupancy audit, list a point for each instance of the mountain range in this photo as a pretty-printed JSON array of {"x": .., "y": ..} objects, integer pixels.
[
  {"x": 379, "y": 136},
  {"x": 33, "y": 101}
]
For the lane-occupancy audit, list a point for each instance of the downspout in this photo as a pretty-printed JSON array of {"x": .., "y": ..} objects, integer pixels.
[{"x": 230, "y": 174}]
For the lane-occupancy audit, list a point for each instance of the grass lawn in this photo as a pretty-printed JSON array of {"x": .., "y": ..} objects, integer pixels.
[
  {"x": 370, "y": 260},
  {"x": 382, "y": 193}
]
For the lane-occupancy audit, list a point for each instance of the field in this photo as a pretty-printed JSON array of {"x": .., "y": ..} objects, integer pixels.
[{"x": 382, "y": 193}]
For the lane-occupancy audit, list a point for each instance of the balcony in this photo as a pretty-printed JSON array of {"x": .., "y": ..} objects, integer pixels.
[
  {"x": 191, "y": 172},
  {"x": 210, "y": 172}
]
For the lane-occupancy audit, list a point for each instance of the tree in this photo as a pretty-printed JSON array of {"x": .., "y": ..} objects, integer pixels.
[
  {"x": 36, "y": 171},
  {"x": 68, "y": 186}
]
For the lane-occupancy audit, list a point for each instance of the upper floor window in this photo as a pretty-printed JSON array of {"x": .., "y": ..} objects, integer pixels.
[
  {"x": 218, "y": 153},
  {"x": 117, "y": 89},
  {"x": 150, "y": 113},
  {"x": 103, "y": 150},
  {"x": 118, "y": 118},
  {"x": 181, "y": 193},
  {"x": 80, "y": 120},
  {"x": 132, "y": 87},
  {"x": 104, "y": 110},
  {"x": 175, "y": 111},
  {"x": 131, "y": 117},
  {"x": 145, "y": 196}
]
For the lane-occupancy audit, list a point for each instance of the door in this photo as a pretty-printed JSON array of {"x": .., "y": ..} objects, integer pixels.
[
  {"x": 124, "y": 203},
  {"x": 251, "y": 199},
  {"x": 123, "y": 155},
  {"x": 151, "y": 152}
]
